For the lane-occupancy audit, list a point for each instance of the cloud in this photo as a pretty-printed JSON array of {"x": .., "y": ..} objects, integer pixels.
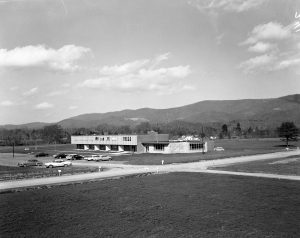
[
  {"x": 7, "y": 103},
  {"x": 262, "y": 47},
  {"x": 62, "y": 59},
  {"x": 141, "y": 75},
  {"x": 288, "y": 63},
  {"x": 227, "y": 5},
  {"x": 31, "y": 92},
  {"x": 43, "y": 105},
  {"x": 268, "y": 31},
  {"x": 57, "y": 93},
  {"x": 72, "y": 107},
  {"x": 123, "y": 69},
  {"x": 260, "y": 62}
]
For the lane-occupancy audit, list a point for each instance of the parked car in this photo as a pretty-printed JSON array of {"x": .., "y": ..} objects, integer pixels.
[
  {"x": 31, "y": 162},
  {"x": 58, "y": 163},
  {"x": 218, "y": 149},
  {"x": 60, "y": 156},
  {"x": 97, "y": 158},
  {"x": 41, "y": 154},
  {"x": 74, "y": 157}
]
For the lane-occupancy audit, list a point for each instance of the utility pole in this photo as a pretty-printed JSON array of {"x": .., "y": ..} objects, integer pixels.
[
  {"x": 14, "y": 149},
  {"x": 202, "y": 136}
]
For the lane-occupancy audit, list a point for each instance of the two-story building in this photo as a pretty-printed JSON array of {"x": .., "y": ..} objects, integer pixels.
[{"x": 148, "y": 143}]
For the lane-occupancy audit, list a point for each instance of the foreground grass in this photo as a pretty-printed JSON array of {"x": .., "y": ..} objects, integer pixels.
[
  {"x": 13, "y": 173},
  {"x": 170, "y": 205},
  {"x": 286, "y": 166}
]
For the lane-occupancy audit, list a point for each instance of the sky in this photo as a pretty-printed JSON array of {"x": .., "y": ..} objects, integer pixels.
[{"x": 62, "y": 58}]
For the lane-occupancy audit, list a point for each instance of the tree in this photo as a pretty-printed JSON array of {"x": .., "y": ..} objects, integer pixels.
[
  {"x": 288, "y": 130},
  {"x": 225, "y": 129}
]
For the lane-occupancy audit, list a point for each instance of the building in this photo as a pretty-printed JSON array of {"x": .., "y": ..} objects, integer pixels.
[{"x": 148, "y": 143}]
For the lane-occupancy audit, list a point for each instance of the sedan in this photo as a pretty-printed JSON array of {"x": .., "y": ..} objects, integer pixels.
[
  {"x": 74, "y": 157},
  {"x": 41, "y": 154},
  {"x": 31, "y": 162},
  {"x": 58, "y": 163}
]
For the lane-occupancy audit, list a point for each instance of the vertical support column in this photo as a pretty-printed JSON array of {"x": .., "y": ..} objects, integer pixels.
[
  {"x": 97, "y": 147},
  {"x": 86, "y": 147},
  {"x": 121, "y": 148},
  {"x": 107, "y": 147}
]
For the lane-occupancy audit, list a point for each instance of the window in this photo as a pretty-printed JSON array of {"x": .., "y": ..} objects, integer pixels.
[
  {"x": 91, "y": 147},
  {"x": 80, "y": 147},
  {"x": 108, "y": 138},
  {"x": 126, "y": 138},
  {"x": 96, "y": 138},
  {"x": 159, "y": 147},
  {"x": 114, "y": 147},
  {"x": 197, "y": 146},
  {"x": 102, "y": 147}
]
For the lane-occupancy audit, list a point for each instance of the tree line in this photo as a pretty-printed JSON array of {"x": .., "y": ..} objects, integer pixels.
[{"x": 56, "y": 134}]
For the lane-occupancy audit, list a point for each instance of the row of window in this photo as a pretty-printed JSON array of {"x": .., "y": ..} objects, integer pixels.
[
  {"x": 197, "y": 146},
  {"x": 125, "y": 138},
  {"x": 112, "y": 147}
]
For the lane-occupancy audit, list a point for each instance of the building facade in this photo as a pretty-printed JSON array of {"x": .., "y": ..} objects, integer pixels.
[{"x": 148, "y": 143}]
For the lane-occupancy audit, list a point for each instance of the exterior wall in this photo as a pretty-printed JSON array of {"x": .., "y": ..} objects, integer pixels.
[
  {"x": 140, "y": 142},
  {"x": 104, "y": 140}
]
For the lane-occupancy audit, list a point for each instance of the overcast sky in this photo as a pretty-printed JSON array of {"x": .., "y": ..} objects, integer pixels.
[{"x": 61, "y": 58}]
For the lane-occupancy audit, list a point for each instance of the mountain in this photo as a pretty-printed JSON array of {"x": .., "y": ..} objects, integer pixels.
[
  {"x": 254, "y": 112},
  {"x": 32, "y": 125},
  {"x": 249, "y": 112}
]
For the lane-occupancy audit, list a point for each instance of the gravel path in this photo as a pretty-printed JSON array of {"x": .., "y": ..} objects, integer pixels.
[{"x": 119, "y": 170}]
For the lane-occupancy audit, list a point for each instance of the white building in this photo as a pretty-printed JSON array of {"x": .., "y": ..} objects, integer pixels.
[{"x": 149, "y": 143}]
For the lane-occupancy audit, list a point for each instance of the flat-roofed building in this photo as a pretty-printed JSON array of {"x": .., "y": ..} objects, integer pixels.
[{"x": 148, "y": 143}]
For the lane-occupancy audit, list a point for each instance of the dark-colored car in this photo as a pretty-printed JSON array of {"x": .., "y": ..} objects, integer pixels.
[
  {"x": 74, "y": 157},
  {"x": 60, "y": 156},
  {"x": 31, "y": 162},
  {"x": 41, "y": 154}
]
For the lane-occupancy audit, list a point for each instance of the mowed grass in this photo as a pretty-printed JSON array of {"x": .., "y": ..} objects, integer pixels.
[
  {"x": 169, "y": 205},
  {"x": 14, "y": 173},
  {"x": 286, "y": 166}
]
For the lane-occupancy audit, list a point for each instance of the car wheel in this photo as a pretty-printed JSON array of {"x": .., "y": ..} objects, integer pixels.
[
  {"x": 65, "y": 165},
  {"x": 51, "y": 166}
]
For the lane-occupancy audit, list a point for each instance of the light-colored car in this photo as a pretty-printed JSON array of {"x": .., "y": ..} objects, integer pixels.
[
  {"x": 58, "y": 163},
  {"x": 219, "y": 149},
  {"x": 97, "y": 158}
]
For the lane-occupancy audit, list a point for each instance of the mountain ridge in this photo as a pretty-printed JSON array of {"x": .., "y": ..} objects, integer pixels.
[{"x": 270, "y": 111}]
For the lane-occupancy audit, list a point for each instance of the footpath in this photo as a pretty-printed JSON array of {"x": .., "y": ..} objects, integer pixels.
[{"x": 120, "y": 170}]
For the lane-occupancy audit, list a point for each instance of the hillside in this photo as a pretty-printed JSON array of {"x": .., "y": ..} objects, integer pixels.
[
  {"x": 254, "y": 112},
  {"x": 259, "y": 112}
]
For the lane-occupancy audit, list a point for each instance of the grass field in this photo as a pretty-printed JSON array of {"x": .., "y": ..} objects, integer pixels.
[
  {"x": 170, "y": 205},
  {"x": 284, "y": 166},
  {"x": 13, "y": 173}
]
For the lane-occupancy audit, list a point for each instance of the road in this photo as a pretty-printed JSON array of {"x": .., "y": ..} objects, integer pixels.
[{"x": 120, "y": 170}]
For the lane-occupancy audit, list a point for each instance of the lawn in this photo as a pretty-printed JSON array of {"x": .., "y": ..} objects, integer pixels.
[
  {"x": 169, "y": 205},
  {"x": 13, "y": 173},
  {"x": 285, "y": 166}
]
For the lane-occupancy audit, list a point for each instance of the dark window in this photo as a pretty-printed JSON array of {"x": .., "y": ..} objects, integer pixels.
[
  {"x": 80, "y": 147},
  {"x": 196, "y": 146},
  {"x": 91, "y": 147},
  {"x": 102, "y": 147},
  {"x": 160, "y": 147},
  {"x": 114, "y": 147}
]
